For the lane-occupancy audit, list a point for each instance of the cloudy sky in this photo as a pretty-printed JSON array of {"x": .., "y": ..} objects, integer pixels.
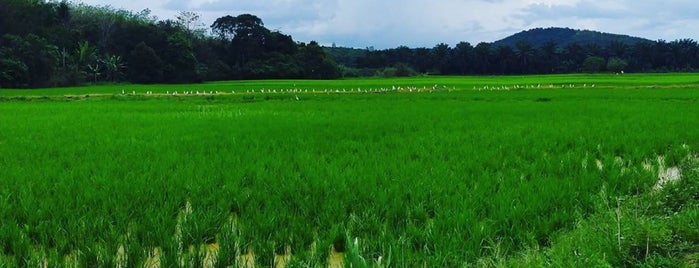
[{"x": 425, "y": 23}]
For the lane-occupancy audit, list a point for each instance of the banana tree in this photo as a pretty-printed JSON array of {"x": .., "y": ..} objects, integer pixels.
[
  {"x": 94, "y": 71},
  {"x": 113, "y": 67}
]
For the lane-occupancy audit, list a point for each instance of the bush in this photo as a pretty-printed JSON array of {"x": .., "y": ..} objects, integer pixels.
[
  {"x": 399, "y": 70},
  {"x": 593, "y": 64},
  {"x": 616, "y": 65}
]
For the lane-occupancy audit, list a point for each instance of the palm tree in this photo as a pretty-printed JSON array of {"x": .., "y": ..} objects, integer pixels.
[
  {"x": 84, "y": 56},
  {"x": 525, "y": 54},
  {"x": 84, "y": 53}
]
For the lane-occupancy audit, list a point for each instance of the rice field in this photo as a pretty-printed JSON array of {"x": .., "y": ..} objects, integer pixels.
[{"x": 442, "y": 172}]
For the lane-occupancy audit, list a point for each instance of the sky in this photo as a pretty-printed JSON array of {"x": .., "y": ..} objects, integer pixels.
[{"x": 424, "y": 23}]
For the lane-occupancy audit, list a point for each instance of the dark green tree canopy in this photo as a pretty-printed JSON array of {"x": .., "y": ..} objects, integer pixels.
[
  {"x": 50, "y": 43},
  {"x": 243, "y": 26},
  {"x": 145, "y": 65}
]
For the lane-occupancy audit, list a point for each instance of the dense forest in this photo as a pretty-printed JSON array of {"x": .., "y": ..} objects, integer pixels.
[
  {"x": 61, "y": 43},
  {"x": 538, "y": 51},
  {"x": 45, "y": 44}
]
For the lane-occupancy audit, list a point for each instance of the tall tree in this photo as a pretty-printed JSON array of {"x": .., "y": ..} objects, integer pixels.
[
  {"x": 549, "y": 56},
  {"x": 145, "y": 66},
  {"x": 191, "y": 21},
  {"x": 482, "y": 58},
  {"x": 246, "y": 34},
  {"x": 525, "y": 56},
  {"x": 462, "y": 58},
  {"x": 316, "y": 63},
  {"x": 573, "y": 56},
  {"x": 85, "y": 59},
  {"x": 685, "y": 53},
  {"x": 642, "y": 57},
  {"x": 440, "y": 57},
  {"x": 506, "y": 60},
  {"x": 177, "y": 54}
]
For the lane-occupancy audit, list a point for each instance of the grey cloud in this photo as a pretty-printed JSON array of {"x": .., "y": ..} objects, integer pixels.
[
  {"x": 275, "y": 13},
  {"x": 390, "y": 23},
  {"x": 649, "y": 19},
  {"x": 625, "y": 9},
  {"x": 176, "y": 5},
  {"x": 367, "y": 22},
  {"x": 583, "y": 9},
  {"x": 668, "y": 10}
]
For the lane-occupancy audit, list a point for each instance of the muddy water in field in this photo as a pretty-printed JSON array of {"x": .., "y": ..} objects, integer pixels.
[
  {"x": 247, "y": 260},
  {"x": 153, "y": 260},
  {"x": 336, "y": 259}
]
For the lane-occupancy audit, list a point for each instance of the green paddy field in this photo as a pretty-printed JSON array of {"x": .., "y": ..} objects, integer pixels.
[{"x": 559, "y": 170}]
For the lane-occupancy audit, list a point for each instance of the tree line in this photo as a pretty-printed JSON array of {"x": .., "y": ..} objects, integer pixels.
[
  {"x": 44, "y": 44},
  {"x": 61, "y": 44},
  {"x": 522, "y": 58}
]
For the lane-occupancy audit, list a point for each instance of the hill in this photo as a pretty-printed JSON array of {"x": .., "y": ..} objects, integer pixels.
[
  {"x": 537, "y": 37},
  {"x": 565, "y": 36}
]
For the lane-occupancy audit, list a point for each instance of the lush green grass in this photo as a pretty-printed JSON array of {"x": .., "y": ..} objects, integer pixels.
[
  {"x": 654, "y": 229},
  {"x": 442, "y": 82},
  {"x": 442, "y": 178}
]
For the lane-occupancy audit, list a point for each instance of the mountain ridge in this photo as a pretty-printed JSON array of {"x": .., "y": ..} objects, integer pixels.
[{"x": 564, "y": 36}]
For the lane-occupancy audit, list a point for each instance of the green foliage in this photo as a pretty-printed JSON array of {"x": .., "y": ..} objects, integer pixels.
[
  {"x": 593, "y": 64},
  {"x": 30, "y": 60},
  {"x": 145, "y": 66},
  {"x": 653, "y": 229},
  {"x": 616, "y": 65},
  {"x": 67, "y": 44},
  {"x": 538, "y": 51},
  {"x": 316, "y": 63},
  {"x": 114, "y": 67},
  {"x": 14, "y": 72},
  {"x": 400, "y": 70}
]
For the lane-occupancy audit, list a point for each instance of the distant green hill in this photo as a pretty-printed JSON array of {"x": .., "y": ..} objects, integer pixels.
[
  {"x": 565, "y": 36},
  {"x": 537, "y": 37}
]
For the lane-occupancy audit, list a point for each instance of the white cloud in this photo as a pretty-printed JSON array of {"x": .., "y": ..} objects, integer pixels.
[{"x": 416, "y": 23}]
